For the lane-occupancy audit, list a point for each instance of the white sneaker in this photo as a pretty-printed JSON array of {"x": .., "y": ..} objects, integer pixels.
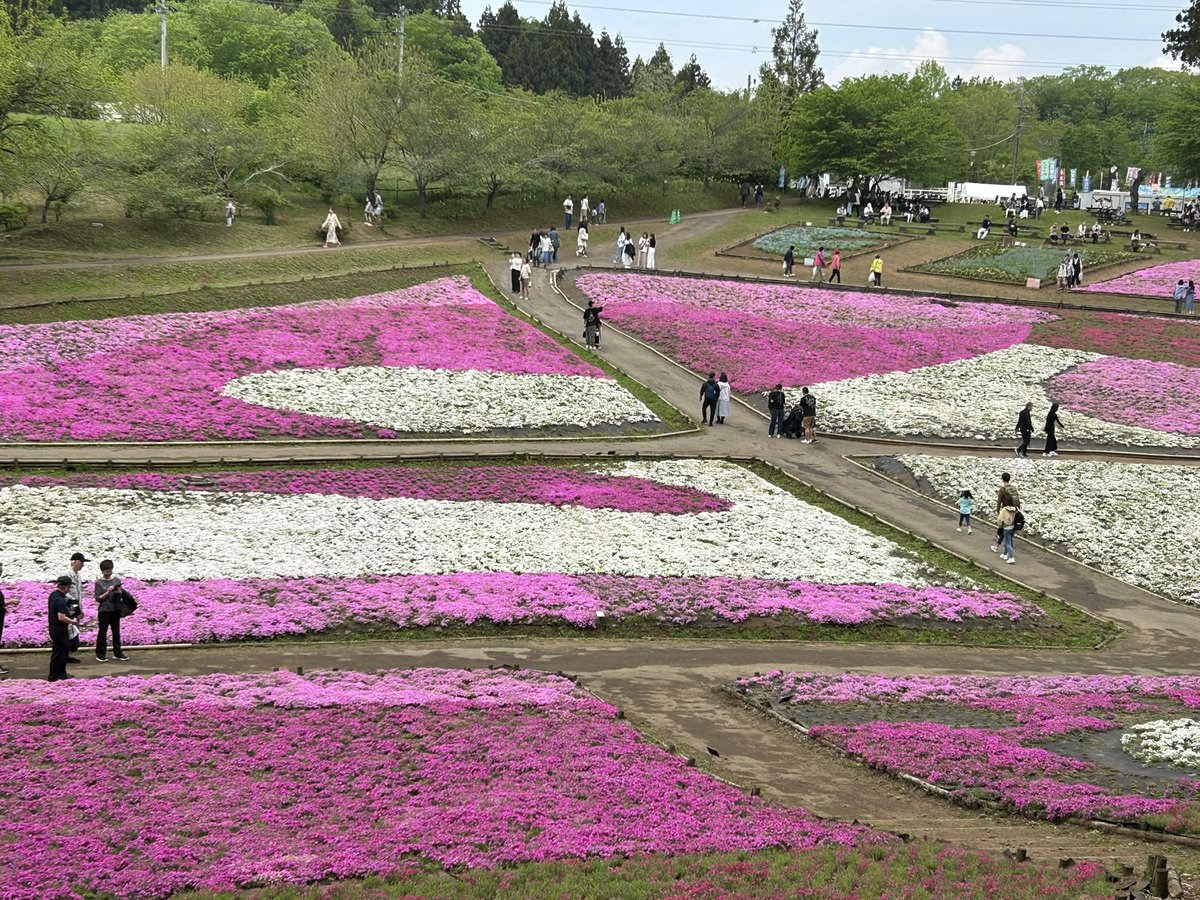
[
  {"x": 968, "y": 531},
  {"x": 994, "y": 548},
  {"x": 1052, "y": 453},
  {"x": 959, "y": 529},
  {"x": 1010, "y": 560}
]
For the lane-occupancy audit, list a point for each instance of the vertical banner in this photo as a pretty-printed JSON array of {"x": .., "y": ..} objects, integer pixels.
[
  {"x": 1131, "y": 175},
  {"x": 1062, "y": 176},
  {"x": 782, "y": 176},
  {"x": 1087, "y": 181},
  {"x": 1049, "y": 170},
  {"x": 1072, "y": 178},
  {"x": 1037, "y": 170}
]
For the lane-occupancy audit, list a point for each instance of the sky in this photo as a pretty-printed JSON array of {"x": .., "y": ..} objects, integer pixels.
[{"x": 1003, "y": 39}]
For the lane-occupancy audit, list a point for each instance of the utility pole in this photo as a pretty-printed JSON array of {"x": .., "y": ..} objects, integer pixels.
[
  {"x": 1021, "y": 108},
  {"x": 400, "y": 39},
  {"x": 162, "y": 44}
]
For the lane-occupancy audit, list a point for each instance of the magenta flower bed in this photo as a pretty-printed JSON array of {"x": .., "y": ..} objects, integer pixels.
[
  {"x": 764, "y": 334},
  {"x": 1003, "y": 763},
  {"x": 1116, "y": 334},
  {"x": 1158, "y": 281},
  {"x": 159, "y": 377},
  {"x": 227, "y": 610},
  {"x": 1160, "y": 395},
  {"x": 498, "y": 484},
  {"x": 229, "y": 782}
]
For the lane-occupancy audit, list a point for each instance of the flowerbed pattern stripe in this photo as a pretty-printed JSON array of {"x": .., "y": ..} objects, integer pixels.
[
  {"x": 1158, "y": 281},
  {"x": 228, "y": 782},
  {"x": 168, "y": 377},
  {"x": 1041, "y": 755}
]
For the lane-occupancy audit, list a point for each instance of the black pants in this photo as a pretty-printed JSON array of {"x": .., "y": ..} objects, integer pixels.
[
  {"x": 708, "y": 411},
  {"x": 59, "y": 651},
  {"x": 107, "y": 620},
  {"x": 1026, "y": 437},
  {"x": 516, "y": 280},
  {"x": 836, "y": 273}
]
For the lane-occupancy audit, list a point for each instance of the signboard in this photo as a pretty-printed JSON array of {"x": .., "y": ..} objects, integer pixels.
[
  {"x": 1048, "y": 169},
  {"x": 1072, "y": 178},
  {"x": 1033, "y": 283}
]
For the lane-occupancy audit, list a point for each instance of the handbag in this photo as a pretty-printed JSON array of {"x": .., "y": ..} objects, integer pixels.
[{"x": 128, "y": 604}]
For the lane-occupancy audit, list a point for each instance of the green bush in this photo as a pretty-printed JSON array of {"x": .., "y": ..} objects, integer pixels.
[
  {"x": 13, "y": 215},
  {"x": 267, "y": 201}
]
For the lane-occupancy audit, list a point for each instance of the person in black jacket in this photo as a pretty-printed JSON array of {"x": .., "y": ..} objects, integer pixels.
[
  {"x": 789, "y": 260},
  {"x": 1025, "y": 427},
  {"x": 1053, "y": 422},
  {"x": 591, "y": 324},
  {"x": 60, "y": 620},
  {"x": 776, "y": 401},
  {"x": 710, "y": 391}
]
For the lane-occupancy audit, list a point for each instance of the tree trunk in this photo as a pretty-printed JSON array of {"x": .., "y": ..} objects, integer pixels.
[
  {"x": 494, "y": 185},
  {"x": 46, "y": 207},
  {"x": 421, "y": 197}
]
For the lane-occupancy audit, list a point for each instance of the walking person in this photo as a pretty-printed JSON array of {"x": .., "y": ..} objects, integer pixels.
[
  {"x": 619, "y": 256},
  {"x": 230, "y": 212},
  {"x": 1025, "y": 427},
  {"x": 776, "y": 404},
  {"x": 1006, "y": 496},
  {"x": 378, "y": 211},
  {"x": 835, "y": 267},
  {"x": 108, "y": 593},
  {"x": 584, "y": 210},
  {"x": 1053, "y": 423},
  {"x": 568, "y": 212},
  {"x": 876, "y": 276},
  {"x": 1077, "y": 270},
  {"x": 818, "y": 265},
  {"x": 526, "y": 278},
  {"x": 1189, "y": 298},
  {"x": 545, "y": 248},
  {"x": 808, "y": 412},
  {"x": 601, "y": 212},
  {"x": 581, "y": 241},
  {"x": 710, "y": 392},
  {"x": 555, "y": 242},
  {"x": 758, "y": 195},
  {"x": 722, "y": 398},
  {"x": 368, "y": 211},
  {"x": 1179, "y": 293},
  {"x": 591, "y": 324},
  {"x": 744, "y": 193},
  {"x": 1064, "y": 273},
  {"x": 651, "y": 248},
  {"x": 789, "y": 261},
  {"x": 60, "y": 622},
  {"x": 966, "y": 505},
  {"x": 330, "y": 226},
  {"x": 515, "y": 263}
]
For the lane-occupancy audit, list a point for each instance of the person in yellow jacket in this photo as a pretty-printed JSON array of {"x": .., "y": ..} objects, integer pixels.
[{"x": 877, "y": 271}]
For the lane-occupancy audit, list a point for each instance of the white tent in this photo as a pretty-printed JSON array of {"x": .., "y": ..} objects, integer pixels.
[{"x": 974, "y": 191}]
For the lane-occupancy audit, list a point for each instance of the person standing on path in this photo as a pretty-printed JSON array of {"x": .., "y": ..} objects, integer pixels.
[
  {"x": 1008, "y": 502},
  {"x": 546, "y": 248},
  {"x": 710, "y": 392},
  {"x": 619, "y": 256},
  {"x": 555, "y": 242},
  {"x": 758, "y": 195},
  {"x": 835, "y": 267},
  {"x": 966, "y": 505},
  {"x": 1189, "y": 298},
  {"x": 1179, "y": 293},
  {"x": 722, "y": 398},
  {"x": 744, "y": 193},
  {"x": 330, "y": 226},
  {"x": 789, "y": 262},
  {"x": 230, "y": 212},
  {"x": 584, "y": 210},
  {"x": 818, "y": 266},
  {"x": 876, "y": 277},
  {"x": 581, "y": 241},
  {"x": 368, "y": 211},
  {"x": 515, "y": 262},
  {"x": 776, "y": 403},
  {"x": 75, "y": 599},
  {"x": 1077, "y": 270},
  {"x": 108, "y": 593},
  {"x": 651, "y": 248},
  {"x": 526, "y": 278},
  {"x": 60, "y": 622},
  {"x": 568, "y": 212},
  {"x": 630, "y": 252},
  {"x": 1053, "y": 422},
  {"x": 601, "y": 212},
  {"x": 808, "y": 411},
  {"x": 643, "y": 249},
  {"x": 1025, "y": 427},
  {"x": 591, "y": 324}
]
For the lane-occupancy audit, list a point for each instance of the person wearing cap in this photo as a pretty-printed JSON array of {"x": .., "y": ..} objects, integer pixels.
[
  {"x": 60, "y": 621},
  {"x": 108, "y": 612},
  {"x": 75, "y": 600}
]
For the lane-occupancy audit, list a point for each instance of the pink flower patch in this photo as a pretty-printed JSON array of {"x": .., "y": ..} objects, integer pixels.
[
  {"x": 765, "y": 334},
  {"x": 1159, "y": 395},
  {"x": 1156, "y": 281}
]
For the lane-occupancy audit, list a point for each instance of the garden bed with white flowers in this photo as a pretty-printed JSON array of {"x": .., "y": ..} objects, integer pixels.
[
  {"x": 670, "y": 546},
  {"x": 1135, "y": 522},
  {"x": 1073, "y": 747},
  {"x": 438, "y": 358}
]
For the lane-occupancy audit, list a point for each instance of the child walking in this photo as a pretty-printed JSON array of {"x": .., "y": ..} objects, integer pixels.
[{"x": 966, "y": 504}]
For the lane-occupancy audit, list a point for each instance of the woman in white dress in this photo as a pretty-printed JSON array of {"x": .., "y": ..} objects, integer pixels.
[
  {"x": 581, "y": 241},
  {"x": 330, "y": 227},
  {"x": 643, "y": 245},
  {"x": 651, "y": 246},
  {"x": 368, "y": 211},
  {"x": 722, "y": 398},
  {"x": 619, "y": 256}
]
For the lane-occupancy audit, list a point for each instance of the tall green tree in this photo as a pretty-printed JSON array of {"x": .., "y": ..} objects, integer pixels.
[
  {"x": 58, "y": 162},
  {"x": 690, "y": 76},
  {"x": 793, "y": 68},
  {"x": 456, "y": 57},
  {"x": 654, "y": 76},
  {"x": 723, "y": 134},
  {"x": 1183, "y": 41},
  {"x": 610, "y": 79},
  {"x": 499, "y": 29}
]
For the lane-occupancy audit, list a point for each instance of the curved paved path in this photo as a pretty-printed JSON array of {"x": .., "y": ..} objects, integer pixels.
[{"x": 670, "y": 687}]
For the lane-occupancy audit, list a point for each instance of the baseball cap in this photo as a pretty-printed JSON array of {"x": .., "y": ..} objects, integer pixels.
[
  {"x": 79, "y": 557},
  {"x": 63, "y": 579}
]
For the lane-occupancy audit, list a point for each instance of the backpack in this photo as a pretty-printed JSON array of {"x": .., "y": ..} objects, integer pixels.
[
  {"x": 711, "y": 390},
  {"x": 1019, "y": 521}
]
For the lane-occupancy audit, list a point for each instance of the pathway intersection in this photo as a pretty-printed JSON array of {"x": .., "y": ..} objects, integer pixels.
[{"x": 669, "y": 688}]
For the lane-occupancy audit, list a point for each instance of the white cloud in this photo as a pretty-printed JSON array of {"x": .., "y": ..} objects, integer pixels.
[{"x": 1001, "y": 62}]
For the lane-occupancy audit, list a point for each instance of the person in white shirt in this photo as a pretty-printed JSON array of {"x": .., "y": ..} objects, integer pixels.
[
  {"x": 568, "y": 211},
  {"x": 581, "y": 240},
  {"x": 515, "y": 262},
  {"x": 619, "y": 256},
  {"x": 584, "y": 209},
  {"x": 526, "y": 277},
  {"x": 643, "y": 247},
  {"x": 230, "y": 212}
]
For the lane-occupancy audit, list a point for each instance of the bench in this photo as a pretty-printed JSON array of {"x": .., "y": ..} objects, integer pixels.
[{"x": 917, "y": 228}]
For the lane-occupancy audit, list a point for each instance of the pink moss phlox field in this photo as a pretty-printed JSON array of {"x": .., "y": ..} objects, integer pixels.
[
  {"x": 228, "y": 610},
  {"x": 1160, "y": 395},
  {"x": 498, "y": 484},
  {"x": 762, "y": 334},
  {"x": 223, "y": 782},
  {"x": 1156, "y": 281},
  {"x": 159, "y": 377},
  {"x": 999, "y": 763},
  {"x": 1118, "y": 334}
]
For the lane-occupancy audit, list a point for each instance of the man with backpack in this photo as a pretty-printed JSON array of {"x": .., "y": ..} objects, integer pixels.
[
  {"x": 776, "y": 401},
  {"x": 1009, "y": 518},
  {"x": 710, "y": 392},
  {"x": 808, "y": 409}
]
